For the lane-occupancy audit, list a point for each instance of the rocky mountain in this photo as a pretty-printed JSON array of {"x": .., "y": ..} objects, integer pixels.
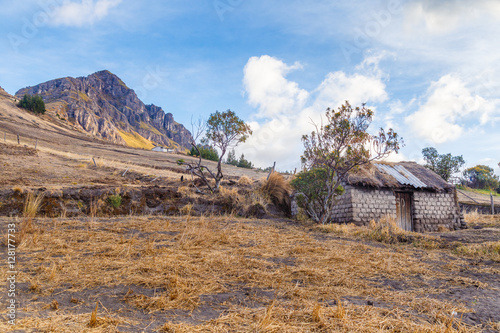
[{"x": 102, "y": 105}]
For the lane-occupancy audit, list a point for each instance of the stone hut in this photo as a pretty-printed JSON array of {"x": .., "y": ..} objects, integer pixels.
[{"x": 418, "y": 198}]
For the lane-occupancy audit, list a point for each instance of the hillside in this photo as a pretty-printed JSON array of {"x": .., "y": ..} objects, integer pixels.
[
  {"x": 475, "y": 198},
  {"x": 62, "y": 151},
  {"x": 3, "y": 92},
  {"x": 102, "y": 105}
]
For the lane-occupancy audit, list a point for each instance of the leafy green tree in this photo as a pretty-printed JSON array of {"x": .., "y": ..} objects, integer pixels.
[
  {"x": 207, "y": 152},
  {"x": 481, "y": 177},
  {"x": 231, "y": 158},
  {"x": 312, "y": 188},
  {"x": 34, "y": 104},
  {"x": 338, "y": 147},
  {"x": 244, "y": 163},
  {"x": 444, "y": 165}
]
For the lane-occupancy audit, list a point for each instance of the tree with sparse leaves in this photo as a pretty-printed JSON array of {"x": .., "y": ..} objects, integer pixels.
[
  {"x": 338, "y": 147},
  {"x": 444, "y": 165},
  {"x": 223, "y": 130}
]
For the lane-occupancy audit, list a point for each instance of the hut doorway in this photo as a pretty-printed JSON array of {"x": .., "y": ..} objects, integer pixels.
[{"x": 404, "y": 210}]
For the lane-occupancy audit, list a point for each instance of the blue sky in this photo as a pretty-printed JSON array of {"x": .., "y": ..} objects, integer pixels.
[{"x": 429, "y": 69}]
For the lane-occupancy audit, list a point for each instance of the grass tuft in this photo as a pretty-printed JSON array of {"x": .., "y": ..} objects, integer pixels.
[
  {"x": 93, "y": 317},
  {"x": 244, "y": 181},
  {"x": 279, "y": 191}
]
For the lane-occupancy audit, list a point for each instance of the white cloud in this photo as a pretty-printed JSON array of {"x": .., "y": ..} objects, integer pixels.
[
  {"x": 285, "y": 111},
  {"x": 448, "y": 110},
  {"x": 81, "y": 13},
  {"x": 269, "y": 90},
  {"x": 445, "y": 16}
]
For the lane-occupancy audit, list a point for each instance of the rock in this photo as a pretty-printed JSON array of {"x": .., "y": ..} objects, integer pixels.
[{"x": 102, "y": 105}]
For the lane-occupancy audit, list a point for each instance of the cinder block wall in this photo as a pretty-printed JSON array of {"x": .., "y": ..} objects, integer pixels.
[
  {"x": 430, "y": 210},
  {"x": 343, "y": 212},
  {"x": 363, "y": 205},
  {"x": 434, "y": 210}
]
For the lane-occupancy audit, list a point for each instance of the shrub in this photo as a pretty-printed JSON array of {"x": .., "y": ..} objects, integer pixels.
[
  {"x": 244, "y": 180},
  {"x": 184, "y": 191},
  {"x": 207, "y": 152},
  {"x": 278, "y": 190},
  {"x": 34, "y": 104},
  {"x": 312, "y": 191},
  {"x": 115, "y": 200}
]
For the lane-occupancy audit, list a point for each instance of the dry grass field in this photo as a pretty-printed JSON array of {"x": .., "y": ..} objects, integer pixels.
[
  {"x": 182, "y": 273},
  {"x": 228, "y": 274}
]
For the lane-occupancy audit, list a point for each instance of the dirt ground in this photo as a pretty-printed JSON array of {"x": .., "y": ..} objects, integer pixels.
[{"x": 227, "y": 274}]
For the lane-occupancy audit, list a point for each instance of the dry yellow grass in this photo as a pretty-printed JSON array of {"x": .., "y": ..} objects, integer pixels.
[
  {"x": 278, "y": 190},
  {"x": 31, "y": 207},
  {"x": 279, "y": 275},
  {"x": 18, "y": 189},
  {"x": 185, "y": 191},
  {"x": 135, "y": 140},
  {"x": 244, "y": 180}
]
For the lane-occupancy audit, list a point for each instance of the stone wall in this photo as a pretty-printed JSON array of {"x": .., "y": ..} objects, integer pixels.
[
  {"x": 344, "y": 211},
  {"x": 434, "y": 210},
  {"x": 481, "y": 209},
  {"x": 372, "y": 204}
]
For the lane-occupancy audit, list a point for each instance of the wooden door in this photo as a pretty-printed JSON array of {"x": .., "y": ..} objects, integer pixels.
[{"x": 403, "y": 211}]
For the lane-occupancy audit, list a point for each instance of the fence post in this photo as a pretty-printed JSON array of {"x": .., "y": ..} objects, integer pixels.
[
  {"x": 272, "y": 170},
  {"x": 492, "y": 204},
  {"x": 18, "y": 142}
]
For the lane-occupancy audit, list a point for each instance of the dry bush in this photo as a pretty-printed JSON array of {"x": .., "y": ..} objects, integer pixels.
[
  {"x": 185, "y": 191},
  {"x": 487, "y": 250},
  {"x": 187, "y": 209},
  {"x": 244, "y": 180},
  {"x": 474, "y": 218},
  {"x": 18, "y": 190},
  {"x": 83, "y": 165},
  {"x": 229, "y": 199},
  {"x": 93, "y": 317},
  {"x": 279, "y": 191},
  {"x": 31, "y": 207},
  {"x": 229, "y": 192},
  {"x": 317, "y": 313},
  {"x": 387, "y": 231}
]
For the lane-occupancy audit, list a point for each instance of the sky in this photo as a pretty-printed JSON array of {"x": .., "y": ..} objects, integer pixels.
[{"x": 429, "y": 69}]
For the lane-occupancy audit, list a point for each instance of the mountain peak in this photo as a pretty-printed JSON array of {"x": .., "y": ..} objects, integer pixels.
[{"x": 104, "y": 106}]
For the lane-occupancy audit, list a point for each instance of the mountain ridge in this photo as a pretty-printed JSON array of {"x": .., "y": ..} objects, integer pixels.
[{"x": 102, "y": 105}]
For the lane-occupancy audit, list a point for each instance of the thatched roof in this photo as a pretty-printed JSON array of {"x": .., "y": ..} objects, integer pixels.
[{"x": 402, "y": 175}]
